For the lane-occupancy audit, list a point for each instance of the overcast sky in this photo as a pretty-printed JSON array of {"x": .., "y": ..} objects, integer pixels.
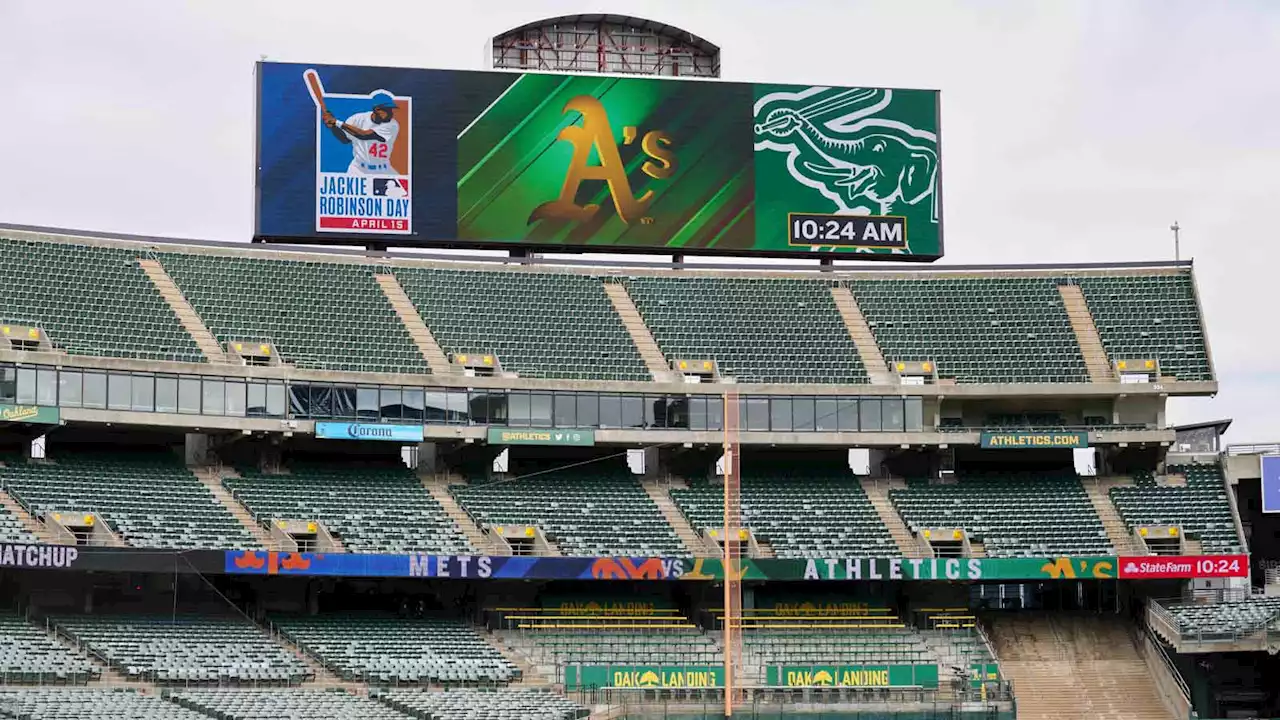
[{"x": 1073, "y": 131}]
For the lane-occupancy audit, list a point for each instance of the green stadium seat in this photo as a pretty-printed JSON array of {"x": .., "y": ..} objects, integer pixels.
[
  {"x": 801, "y": 511},
  {"x": 395, "y": 651},
  {"x": 91, "y": 300},
  {"x": 320, "y": 315},
  {"x": 1013, "y": 514},
  {"x": 148, "y": 499},
  {"x": 29, "y": 655},
  {"x": 310, "y": 703},
  {"x": 471, "y": 704},
  {"x": 372, "y": 509},
  {"x": 185, "y": 649},
  {"x": 1201, "y": 508},
  {"x": 977, "y": 330},
  {"x": 1150, "y": 317},
  {"x": 11, "y": 529},
  {"x": 759, "y": 330},
  {"x": 539, "y": 324},
  {"x": 1226, "y": 620},
  {"x": 90, "y": 704},
  {"x": 585, "y": 514}
]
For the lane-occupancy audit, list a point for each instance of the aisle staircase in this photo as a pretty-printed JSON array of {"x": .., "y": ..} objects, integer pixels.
[
  {"x": 412, "y": 321},
  {"x": 877, "y": 490},
  {"x": 1099, "y": 491},
  {"x": 693, "y": 543},
  {"x": 211, "y": 477},
  {"x": 640, "y": 334},
  {"x": 1096, "y": 361}
]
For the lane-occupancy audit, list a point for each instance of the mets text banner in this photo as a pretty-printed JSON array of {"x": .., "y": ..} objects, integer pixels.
[{"x": 493, "y": 159}]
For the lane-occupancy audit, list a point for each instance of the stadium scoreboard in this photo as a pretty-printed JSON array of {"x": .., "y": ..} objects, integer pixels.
[{"x": 578, "y": 163}]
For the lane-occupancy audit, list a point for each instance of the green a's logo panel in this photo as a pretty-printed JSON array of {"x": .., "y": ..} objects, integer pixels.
[
  {"x": 621, "y": 162},
  {"x": 847, "y": 170}
]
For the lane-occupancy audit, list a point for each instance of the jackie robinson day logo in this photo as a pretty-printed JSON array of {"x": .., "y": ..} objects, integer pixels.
[{"x": 363, "y": 153}]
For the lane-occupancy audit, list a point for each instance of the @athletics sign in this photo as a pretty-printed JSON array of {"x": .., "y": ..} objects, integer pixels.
[
  {"x": 573, "y": 438},
  {"x": 368, "y": 431}
]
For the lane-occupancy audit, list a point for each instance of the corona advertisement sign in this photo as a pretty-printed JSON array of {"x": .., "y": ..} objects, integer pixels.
[{"x": 575, "y": 163}]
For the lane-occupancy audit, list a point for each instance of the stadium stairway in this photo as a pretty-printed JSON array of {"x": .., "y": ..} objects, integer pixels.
[
  {"x": 211, "y": 477},
  {"x": 438, "y": 486},
  {"x": 1099, "y": 490},
  {"x": 1096, "y": 361},
  {"x": 24, "y": 519},
  {"x": 689, "y": 537},
  {"x": 412, "y": 321},
  {"x": 856, "y": 323},
  {"x": 1075, "y": 667},
  {"x": 878, "y": 493},
  {"x": 640, "y": 334},
  {"x": 187, "y": 315}
]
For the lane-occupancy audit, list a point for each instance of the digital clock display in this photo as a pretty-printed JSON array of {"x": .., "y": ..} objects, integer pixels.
[{"x": 869, "y": 231}]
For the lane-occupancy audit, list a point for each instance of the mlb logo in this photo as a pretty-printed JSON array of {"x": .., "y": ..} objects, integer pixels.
[{"x": 390, "y": 187}]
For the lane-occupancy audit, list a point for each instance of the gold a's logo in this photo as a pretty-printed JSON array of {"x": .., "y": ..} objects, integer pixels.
[{"x": 595, "y": 132}]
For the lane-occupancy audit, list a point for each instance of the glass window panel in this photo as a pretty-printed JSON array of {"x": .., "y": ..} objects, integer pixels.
[
  {"x": 757, "y": 413},
  {"x": 697, "y": 413},
  {"x": 436, "y": 406},
  {"x": 8, "y": 384},
  {"x": 275, "y": 400},
  {"x": 540, "y": 409},
  {"x": 632, "y": 411},
  {"x": 70, "y": 384},
  {"x": 213, "y": 397},
  {"x": 342, "y": 401},
  {"x": 825, "y": 417},
  {"x": 715, "y": 413},
  {"x": 677, "y": 412},
  {"x": 913, "y": 409},
  {"x": 518, "y": 408},
  {"x": 367, "y": 403},
  {"x": 47, "y": 387},
  {"x": 27, "y": 386},
  {"x": 566, "y": 410},
  {"x": 413, "y": 404},
  {"x": 802, "y": 411},
  {"x": 235, "y": 399},
  {"x": 321, "y": 401},
  {"x": 458, "y": 407},
  {"x": 95, "y": 390},
  {"x": 610, "y": 411},
  {"x": 144, "y": 393},
  {"x": 188, "y": 394},
  {"x": 588, "y": 410},
  {"x": 891, "y": 414},
  {"x": 166, "y": 394},
  {"x": 847, "y": 414},
  {"x": 780, "y": 414},
  {"x": 118, "y": 395},
  {"x": 255, "y": 399},
  {"x": 869, "y": 414},
  {"x": 391, "y": 402}
]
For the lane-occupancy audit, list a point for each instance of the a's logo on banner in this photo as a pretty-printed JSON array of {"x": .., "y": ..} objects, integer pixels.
[
  {"x": 595, "y": 133},
  {"x": 837, "y": 143},
  {"x": 363, "y": 151}
]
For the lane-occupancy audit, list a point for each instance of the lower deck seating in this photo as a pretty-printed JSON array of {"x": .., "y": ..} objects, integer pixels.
[
  {"x": 311, "y": 704},
  {"x": 1201, "y": 508},
  {"x": 1225, "y": 619},
  {"x": 148, "y": 499},
  {"x": 465, "y": 704},
  {"x": 584, "y": 514},
  {"x": 800, "y": 513},
  {"x": 89, "y": 704},
  {"x": 385, "y": 650},
  {"x": 372, "y": 509},
  {"x": 29, "y": 655},
  {"x": 185, "y": 649},
  {"x": 11, "y": 529},
  {"x": 1014, "y": 514}
]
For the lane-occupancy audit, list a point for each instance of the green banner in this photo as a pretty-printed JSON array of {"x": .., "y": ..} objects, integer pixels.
[
  {"x": 673, "y": 677},
  {"x": 852, "y": 676},
  {"x": 1055, "y": 568},
  {"x": 530, "y": 436},
  {"x": 37, "y": 414},
  {"x": 1021, "y": 440},
  {"x": 980, "y": 673}
]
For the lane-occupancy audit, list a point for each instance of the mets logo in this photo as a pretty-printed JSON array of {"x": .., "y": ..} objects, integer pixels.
[
  {"x": 836, "y": 144},
  {"x": 596, "y": 133}
]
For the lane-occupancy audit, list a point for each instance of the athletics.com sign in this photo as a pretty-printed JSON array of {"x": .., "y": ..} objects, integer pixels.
[{"x": 1150, "y": 567}]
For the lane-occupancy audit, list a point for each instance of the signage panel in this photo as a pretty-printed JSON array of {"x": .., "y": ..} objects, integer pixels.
[
  {"x": 1152, "y": 567},
  {"x": 1040, "y": 440},
  {"x": 534, "y": 436},
  {"x": 368, "y": 431}
]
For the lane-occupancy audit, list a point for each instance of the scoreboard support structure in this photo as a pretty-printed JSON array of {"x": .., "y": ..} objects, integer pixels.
[{"x": 732, "y": 553}]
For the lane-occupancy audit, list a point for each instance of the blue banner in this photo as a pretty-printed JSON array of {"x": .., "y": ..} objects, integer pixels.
[
  {"x": 1270, "y": 483},
  {"x": 368, "y": 431}
]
